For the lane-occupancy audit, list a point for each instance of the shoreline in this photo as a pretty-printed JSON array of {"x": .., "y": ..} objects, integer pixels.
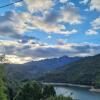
[
  {"x": 69, "y": 84},
  {"x": 95, "y": 90},
  {"x": 90, "y": 88}
]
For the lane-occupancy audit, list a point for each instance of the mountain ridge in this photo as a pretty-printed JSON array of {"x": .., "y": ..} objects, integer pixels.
[
  {"x": 34, "y": 69},
  {"x": 86, "y": 71}
]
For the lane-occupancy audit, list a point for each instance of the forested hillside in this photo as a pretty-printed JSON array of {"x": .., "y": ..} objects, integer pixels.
[
  {"x": 3, "y": 91},
  {"x": 34, "y": 69},
  {"x": 85, "y": 71},
  {"x": 29, "y": 90}
]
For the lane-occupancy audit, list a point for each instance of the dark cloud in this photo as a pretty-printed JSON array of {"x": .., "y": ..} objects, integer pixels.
[
  {"x": 86, "y": 48},
  {"x": 82, "y": 48},
  {"x": 6, "y": 17},
  {"x": 43, "y": 52},
  {"x": 52, "y": 52},
  {"x": 10, "y": 50},
  {"x": 10, "y": 27},
  {"x": 37, "y": 51},
  {"x": 7, "y": 26},
  {"x": 52, "y": 17}
]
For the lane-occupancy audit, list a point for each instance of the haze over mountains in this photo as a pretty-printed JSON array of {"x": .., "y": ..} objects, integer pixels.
[{"x": 34, "y": 69}]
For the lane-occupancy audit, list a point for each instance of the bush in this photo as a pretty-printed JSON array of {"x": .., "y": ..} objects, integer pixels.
[
  {"x": 48, "y": 91},
  {"x": 35, "y": 91},
  {"x": 59, "y": 98},
  {"x": 30, "y": 91},
  {"x": 97, "y": 84},
  {"x": 3, "y": 94}
]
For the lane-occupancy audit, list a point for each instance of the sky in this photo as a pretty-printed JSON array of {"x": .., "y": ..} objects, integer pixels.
[{"x": 43, "y": 29}]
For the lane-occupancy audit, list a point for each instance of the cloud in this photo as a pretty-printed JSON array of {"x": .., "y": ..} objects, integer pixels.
[
  {"x": 11, "y": 24},
  {"x": 53, "y": 27},
  {"x": 52, "y": 16},
  {"x": 18, "y": 4},
  {"x": 49, "y": 37},
  {"x": 38, "y": 50},
  {"x": 39, "y": 5},
  {"x": 41, "y": 15},
  {"x": 16, "y": 24},
  {"x": 18, "y": 60},
  {"x": 6, "y": 17},
  {"x": 67, "y": 14},
  {"x": 91, "y": 32},
  {"x": 53, "y": 21},
  {"x": 56, "y": 20},
  {"x": 60, "y": 42},
  {"x": 95, "y": 26},
  {"x": 95, "y": 5},
  {"x": 63, "y": 1},
  {"x": 84, "y": 1},
  {"x": 96, "y": 23},
  {"x": 71, "y": 16},
  {"x": 52, "y": 51}
]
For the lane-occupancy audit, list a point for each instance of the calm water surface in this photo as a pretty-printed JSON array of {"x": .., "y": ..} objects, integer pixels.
[{"x": 77, "y": 93}]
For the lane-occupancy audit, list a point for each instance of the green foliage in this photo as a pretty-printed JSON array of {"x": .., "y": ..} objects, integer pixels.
[
  {"x": 48, "y": 91},
  {"x": 59, "y": 98},
  {"x": 30, "y": 91},
  {"x": 97, "y": 83},
  {"x": 35, "y": 91},
  {"x": 3, "y": 95},
  {"x": 2, "y": 58},
  {"x": 13, "y": 87}
]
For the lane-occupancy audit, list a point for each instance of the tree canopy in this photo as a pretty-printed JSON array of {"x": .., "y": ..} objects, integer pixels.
[{"x": 3, "y": 95}]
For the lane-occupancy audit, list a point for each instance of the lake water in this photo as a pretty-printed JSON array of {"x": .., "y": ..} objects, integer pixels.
[{"x": 77, "y": 93}]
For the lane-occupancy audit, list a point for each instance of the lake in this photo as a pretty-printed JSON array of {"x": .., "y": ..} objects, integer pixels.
[{"x": 77, "y": 93}]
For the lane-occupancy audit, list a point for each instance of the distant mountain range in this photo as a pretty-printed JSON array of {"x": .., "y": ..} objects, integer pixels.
[
  {"x": 84, "y": 71},
  {"x": 34, "y": 69}
]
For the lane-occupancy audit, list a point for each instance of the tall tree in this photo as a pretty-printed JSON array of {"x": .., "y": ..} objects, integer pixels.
[
  {"x": 48, "y": 91},
  {"x": 3, "y": 95},
  {"x": 30, "y": 91}
]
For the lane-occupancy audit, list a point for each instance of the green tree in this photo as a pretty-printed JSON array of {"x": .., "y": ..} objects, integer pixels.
[
  {"x": 48, "y": 91},
  {"x": 3, "y": 94},
  {"x": 97, "y": 83},
  {"x": 30, "y": 91}
]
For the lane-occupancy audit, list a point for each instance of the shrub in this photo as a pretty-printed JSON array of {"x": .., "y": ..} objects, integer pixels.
[
  {"x": 3, "y": 90},
  {"x": 59, "y": 98},
  {"x": 48, "y": 91},
  {"x": 30, "y": 91}
]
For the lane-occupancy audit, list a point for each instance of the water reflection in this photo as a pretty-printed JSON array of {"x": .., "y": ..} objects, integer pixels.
[{"x": 78, "y": 93}]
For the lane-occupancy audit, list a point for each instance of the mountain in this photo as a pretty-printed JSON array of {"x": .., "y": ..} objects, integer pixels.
[
  {"x": 34, "y": 69},
  {"x": 85, "y": 71},
  {"x": 54, "y": 62}
]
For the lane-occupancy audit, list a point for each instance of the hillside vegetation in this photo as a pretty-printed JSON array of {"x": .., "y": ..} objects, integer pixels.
[
  {"x": 85, "y": 71},
  {"x": 3, "y": 95},
  {"x": 35, "y": 69},
  {"x": 29, "y": 90}
]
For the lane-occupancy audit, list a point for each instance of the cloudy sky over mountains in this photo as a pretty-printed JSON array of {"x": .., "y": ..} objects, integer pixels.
[{"x": 38, "y": 29}]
